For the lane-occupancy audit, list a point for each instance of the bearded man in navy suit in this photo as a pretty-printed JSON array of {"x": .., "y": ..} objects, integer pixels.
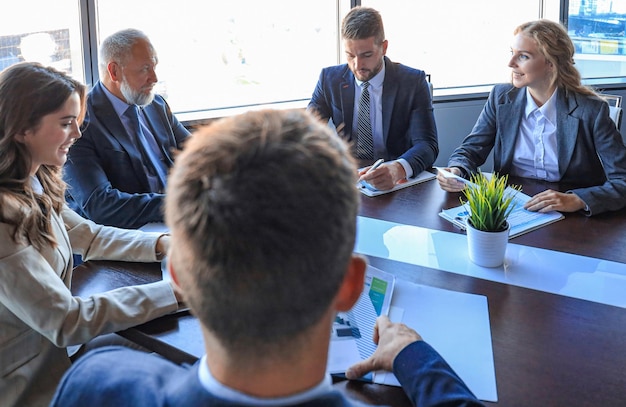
[
  {"x": 117, "y": 172},
  {"x": 401, "y": 113}
]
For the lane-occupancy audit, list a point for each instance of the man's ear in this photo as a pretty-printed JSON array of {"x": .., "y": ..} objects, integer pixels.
[
  {"x": 170, "y": 269},
  {"x": 352, "y": 284},
  {"x": 384, "y": 44},
  {"x": 115, "y": 71}
]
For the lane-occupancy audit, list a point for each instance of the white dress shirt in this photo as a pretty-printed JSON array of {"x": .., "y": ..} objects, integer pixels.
[
  {"x": 536, "y": 154},
  {"x": 220, "y": 390}
]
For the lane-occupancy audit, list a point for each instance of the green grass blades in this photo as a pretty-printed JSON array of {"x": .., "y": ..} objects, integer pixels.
[{"x": 489, "y": 203}]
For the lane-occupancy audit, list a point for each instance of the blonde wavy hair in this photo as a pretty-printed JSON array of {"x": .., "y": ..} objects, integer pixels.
[{"x": 557, "y": 47}]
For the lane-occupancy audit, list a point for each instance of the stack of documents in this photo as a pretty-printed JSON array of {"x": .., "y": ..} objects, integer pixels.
[{"x": 520, "y": 219}]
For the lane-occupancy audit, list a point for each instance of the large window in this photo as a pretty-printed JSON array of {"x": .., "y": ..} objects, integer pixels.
[
  {"x": 231, "y": 53},
  {"x": 459, "y": 42},
  {"x": 253, "y": 52},
  {"x": 598, "y": 29},
  {"x": 216, "y": 55},
  {"x": 42, "y": 31}
]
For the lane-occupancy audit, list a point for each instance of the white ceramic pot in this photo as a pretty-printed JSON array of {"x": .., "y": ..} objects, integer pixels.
[{"x": 487, "y": 249}]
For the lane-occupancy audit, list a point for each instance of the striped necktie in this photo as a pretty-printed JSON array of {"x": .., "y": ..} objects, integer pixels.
[{"x": 364, "y": 141}]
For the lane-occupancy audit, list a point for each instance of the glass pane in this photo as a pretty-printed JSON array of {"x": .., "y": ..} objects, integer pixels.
[
  {"x": 43, "y": 31},
  {"x": 598, "y": 31},
  {"x": 216, "y": 54},
  {"x": 459, "y": 42}
]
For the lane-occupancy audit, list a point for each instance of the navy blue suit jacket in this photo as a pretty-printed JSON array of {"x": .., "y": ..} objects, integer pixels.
[
  {"x": 409, "y": 129},
  {"x": 119, "y": 377},
  {"x": 590, "y": 149},
  {"x": 106, "y": 179}
]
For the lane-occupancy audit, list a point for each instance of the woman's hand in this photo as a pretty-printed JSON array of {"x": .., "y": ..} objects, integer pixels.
[
  {"x": 450, "y": 184},
  {"x": 162, "y": 246},
  {"x": 551, "y": 200}
]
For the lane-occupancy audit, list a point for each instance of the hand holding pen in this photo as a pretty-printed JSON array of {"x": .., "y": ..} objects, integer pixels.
[
  {"x": 375, "y": 165},
  {"x": 383, "y": 177},
  {"x": 364, "y": 180}
]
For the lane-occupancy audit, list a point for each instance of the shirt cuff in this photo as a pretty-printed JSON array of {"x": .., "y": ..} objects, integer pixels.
[{"x": 407, "y": 167}]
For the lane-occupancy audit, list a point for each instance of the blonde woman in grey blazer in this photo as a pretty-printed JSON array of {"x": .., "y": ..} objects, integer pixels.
[
  {"x": 40, "y": 113},
  {"x": 546, "y": 125}
]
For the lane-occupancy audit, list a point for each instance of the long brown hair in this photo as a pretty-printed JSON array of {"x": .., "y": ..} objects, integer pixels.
[{"x": 28, "y": 92}]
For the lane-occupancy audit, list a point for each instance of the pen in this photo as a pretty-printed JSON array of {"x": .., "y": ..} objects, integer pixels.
[{"x": 376, "y": 165}]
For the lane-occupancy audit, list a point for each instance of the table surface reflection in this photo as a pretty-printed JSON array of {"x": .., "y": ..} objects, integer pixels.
[{"x": 549, "y": 349}]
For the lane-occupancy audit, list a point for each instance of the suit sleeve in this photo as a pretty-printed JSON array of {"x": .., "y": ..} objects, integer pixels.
[
  {"x": 319, "y": 103},
  {"x": 422, "y": 130},
  {"x": 610, "y": 149},
  {"x": 30, "y": 283},
  {"x": 91, "y": 193},
  {"x": 428, "y": 380},
  {"x": 475, "y": 148},
  {"x": 97, "y": 242},
  {"x": 180, "y": 132}
]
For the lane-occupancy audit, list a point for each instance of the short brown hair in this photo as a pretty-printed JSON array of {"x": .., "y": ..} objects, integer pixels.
[
  {"x": 262, "y": 210},
  {"x": 361, "y": 23}
]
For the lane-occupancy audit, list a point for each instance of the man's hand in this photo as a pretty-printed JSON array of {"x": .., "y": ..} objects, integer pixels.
[
  {"x": 385, "y": 177},
  {"x": 391, "y": 338}
]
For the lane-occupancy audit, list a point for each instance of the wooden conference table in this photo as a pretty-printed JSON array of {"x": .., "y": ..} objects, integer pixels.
[{"x": 549, "y": 349}]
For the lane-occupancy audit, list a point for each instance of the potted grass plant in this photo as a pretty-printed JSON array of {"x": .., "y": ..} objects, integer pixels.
[{"x": 489, "y": 204}]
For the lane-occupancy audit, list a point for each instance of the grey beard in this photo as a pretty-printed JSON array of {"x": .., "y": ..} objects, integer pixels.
[{"x": 134, "y": 97}]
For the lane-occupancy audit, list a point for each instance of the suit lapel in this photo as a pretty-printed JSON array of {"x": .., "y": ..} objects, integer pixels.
[
  {"x": 154, "y": 122},
  {"x": 346, "y": 90},
  {"x": 390, "y": 90},
  {"x": 566, "y": 129},
  {"x": 110, "y": 120},
  {"x": 509, "y": 119}
]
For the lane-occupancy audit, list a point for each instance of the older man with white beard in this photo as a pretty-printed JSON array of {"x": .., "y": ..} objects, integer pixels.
[{"x": 117, "y": 171}]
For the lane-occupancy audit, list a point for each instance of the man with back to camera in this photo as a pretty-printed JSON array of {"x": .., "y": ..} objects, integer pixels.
[
  {"x": 264, "y": 260},
  {"x": 117, "y": 170},
  {"x": 383, "y": 108}
]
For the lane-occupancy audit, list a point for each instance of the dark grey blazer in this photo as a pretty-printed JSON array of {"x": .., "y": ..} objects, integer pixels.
[{"x": 590, "y": 149}]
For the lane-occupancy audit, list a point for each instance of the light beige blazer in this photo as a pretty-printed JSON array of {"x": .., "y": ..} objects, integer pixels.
[{"x": 39, "y": 317}]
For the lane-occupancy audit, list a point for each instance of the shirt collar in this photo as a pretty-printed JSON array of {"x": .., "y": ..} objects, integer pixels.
[
  {"x": 214, "y": 387},
  {"x": 376, "y": 81},
  {"x": 548, "y": 109}
]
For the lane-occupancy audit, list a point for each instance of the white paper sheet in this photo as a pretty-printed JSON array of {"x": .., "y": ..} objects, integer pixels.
[{"x": 457, "y": 325}]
